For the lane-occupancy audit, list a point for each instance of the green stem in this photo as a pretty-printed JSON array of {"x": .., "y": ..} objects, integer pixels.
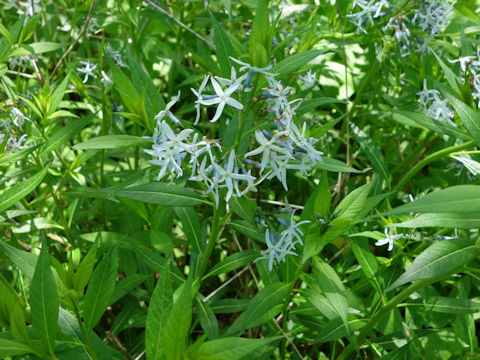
[
  {"x": 435, "y": 156},
  {"x": 212, "y": 240},
  {"x": 381, "y": 313}
]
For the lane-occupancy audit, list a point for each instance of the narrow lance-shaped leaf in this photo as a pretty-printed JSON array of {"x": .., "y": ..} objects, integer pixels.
[
  {"x": 231, "y": 348},
  {"x": 25, "y": 261},
  {"x": 158, "y": 311},
  {"x": 266, "y": 304},
  {"x": 191, "y": 227},
  {"x": 11, "y": 195},
  {"x": 178, "y": 323},
  {"x": 459, "y": 199},
  {"x": 100, "y": 288},
  {"x": 439, "y": 259},
  {"x": 44, "y": 301},
  {"x": 113, "y": 142}
]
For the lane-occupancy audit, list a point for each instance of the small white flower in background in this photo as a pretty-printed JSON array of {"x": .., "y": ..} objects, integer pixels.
[
  {"x": 198, "y": 94},
  {"x": 115, "y": 56},
  {"x": 389, "y": 238},
  {"x": 309, "y": 80},
  {"x": 30, "y": 7},
  {"x": 434, "y": 107},
  {"x": 87, "y": 70},
  {"x": 267, "y": 148},
  {"x": 105, "y": 79},
  {"x": 223, "y": 97},
  {"x": 278, "y": 246},
  {"x": 402, "y": 34},
  {"x": 463, "y": 61},
  {"x": 471, "y": 165},
  {"x": 227, "y": 175},
  {"x": 433, "y": 16},
  {"x": 170, "y": 150},
  {"x": 292, "y": 233},
  {"x": 276, "y": 249},
  {"x": 166, "y": 112},
  {"x": 368, "y": 11},
  {"x": 18, "y": 117}
]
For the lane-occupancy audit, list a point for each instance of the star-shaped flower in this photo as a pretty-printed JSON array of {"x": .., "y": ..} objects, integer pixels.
[{"x": 223, "y": 97}]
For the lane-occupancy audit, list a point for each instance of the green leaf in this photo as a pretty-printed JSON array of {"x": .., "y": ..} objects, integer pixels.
[
  {"x": 469, "y": 116},
  {"x": 367, "y": 261},
  {"x": 130, "y": 97},
  {"x": 311, "y": 104},
  {"x": 17, "y": 155},
  {"x": 444, "y": 220},
  {"x": 191, "y": 227},
  {"x": 459, "y": 199},
  {"x": 14, "y": 193},
  {"x": 207, "y": 319},
  {"x": 373, "y": 153},
  {"x": 10, "y": 348},
  {"x": 44, "y": 301},
  {"x": 113, "y": 142},
  {"x": 85, "y": 269},
  {"x": 418, "y": 120},
  {"x": 233, "y": 262},
  {"x": 450, "y": 305},
  {"x": 178, "y": 323},
  {"x": 25, "y": 261},
  {"x": 58, "y": 94},
  {"x": 35, "y": 48},
  {"x": 158, "y": 311},
  {"x": 449, "y": 74},
  {"x": 333, "y": 289},
  {"x": 223, "y": 47},
  {"x": 266, "y": 304},
  {"x": 100, "y": 288},
  {"x": 231, "y": 348},
  {"x": 143, "y": 84},
  {"x": 334, "y": 165},
  {"x": 437, "y": 260},
  {"x": 6, "y": 34},
  {"x": 335, "y": 329},
  {"x": 161, "y": 194},
  {"x": 294, "y": 62}
]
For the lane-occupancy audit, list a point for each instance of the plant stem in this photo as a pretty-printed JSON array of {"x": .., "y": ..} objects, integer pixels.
[
  {"x": 437, "y": 155},
  {"x": 212, "y": 240}
]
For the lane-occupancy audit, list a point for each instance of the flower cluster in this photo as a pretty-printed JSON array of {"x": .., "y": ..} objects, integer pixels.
[
  {"x": 431, "y": 18},
  {"x": 433, "y": 106},
  {"x": 10, "y": 138},
  {"x": 368, "y": 10},
  {"x": 282, "y": 145},
  {"x": 288, "y": 148},
  {"x": 281, "y": 244},
  {"x": 471, "y": 64}
]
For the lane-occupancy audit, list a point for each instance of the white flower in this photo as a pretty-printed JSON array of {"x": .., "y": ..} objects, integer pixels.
[
  {"x": 389, "y": 238},
  {"x": 87, "y": 70},
  {"x": 170, "y": 150},
  {"x": 228, "y": 176},
  {"x": 222, "y": 98},
  {"x": 463, "y": 61},
  {"x": 18, "y": 117},
  {"x": 275, "y": 249},
  {"x": 198, "y": 94},
  {"x": 292, "y": 231},
  {"x": 309, "y": 80},
  {"x": 105, "y": 79},
  {"x": 266, "y": 147},
  {"x": 166, "y": 112}
]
